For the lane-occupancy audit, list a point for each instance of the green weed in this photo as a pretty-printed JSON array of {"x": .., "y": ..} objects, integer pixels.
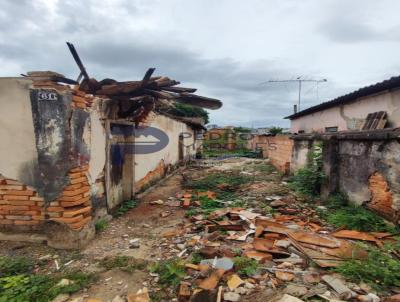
[
  {"x": 125, "y": 207},
  {"x": 245, "y": 266},
  {"x": 101, "y": 225},
  {"x": 196, "y": 258},
  {"x": 40, "y": 288},
  {"x": 341, "y": 213},
  {"x": 357, "y": 218},
  {"x": 308, "y": 180},
  {"x": 15, "y": 265},
  {"x": 171, "y": 272},
  {"x": 380, "y": 270}
]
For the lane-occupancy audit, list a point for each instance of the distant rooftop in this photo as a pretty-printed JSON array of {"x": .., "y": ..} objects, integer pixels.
[{"x": 392, "y": 83}]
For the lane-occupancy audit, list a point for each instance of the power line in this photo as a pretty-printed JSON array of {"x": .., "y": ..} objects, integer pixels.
[{"x": 299, "y": 80}]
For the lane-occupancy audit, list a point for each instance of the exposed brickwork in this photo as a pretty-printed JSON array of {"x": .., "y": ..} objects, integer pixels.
[
  {"x": 73, "y": 207},
  {"x": 381, "y": 197},
  {"x": 154, "y": 175},
  {"x": 20, "y": 205}
]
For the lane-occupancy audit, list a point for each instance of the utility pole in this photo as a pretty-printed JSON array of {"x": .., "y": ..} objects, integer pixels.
[{"x": 300, "y": 81}]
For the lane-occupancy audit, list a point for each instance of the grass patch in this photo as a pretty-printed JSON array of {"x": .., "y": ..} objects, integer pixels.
[
  {"x": 380, "y": 270},
  {"x": 101, "y": 225},
  {"x": 40, "y": 288},
  {"x": 125, "y": 207},
  {"x": 245, "y": 266},
  {"x": 171, "y": 272},
  {"x": 10, "y": 266},
  {"x": 124, "y": 263},
  {"x": 341, "y": 214}
]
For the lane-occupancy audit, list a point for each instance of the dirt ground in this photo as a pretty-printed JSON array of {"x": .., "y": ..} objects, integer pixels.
[{"x": 145, "y": 222}]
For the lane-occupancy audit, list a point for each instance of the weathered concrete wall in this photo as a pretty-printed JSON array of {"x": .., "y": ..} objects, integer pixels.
[
  {"x": 363, "y": 165},
  {"x": 18, "y": 146},
  {"x": 152, "y": 166},
  {"x": 45, "y": 151},
  {"x": 277, "y": 148},
  {"x": 351, "y": 116}
]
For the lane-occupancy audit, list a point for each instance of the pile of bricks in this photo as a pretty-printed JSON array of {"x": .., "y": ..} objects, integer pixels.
[
  {"x": 81, "y": 100},
  {"x": 73, "y": 207},
  {"x": 20, "y": 205}
]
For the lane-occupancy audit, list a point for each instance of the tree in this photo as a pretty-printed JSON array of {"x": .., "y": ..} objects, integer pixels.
[{"x": 276, "y": 130}]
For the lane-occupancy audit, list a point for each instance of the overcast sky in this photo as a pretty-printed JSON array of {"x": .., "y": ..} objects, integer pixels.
[{"x": 225, "y": 48}]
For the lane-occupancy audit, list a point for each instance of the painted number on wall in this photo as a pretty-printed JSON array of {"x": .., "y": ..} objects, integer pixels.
[{"x": 47, "y": 96}]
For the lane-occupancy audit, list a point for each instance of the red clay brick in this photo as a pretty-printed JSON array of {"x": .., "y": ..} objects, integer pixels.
[
  {"x": 21, "y": 202},
  {"x": 11, "y": 207},
  {"x": 69, "y": 219},
  {"x": 38, "y": 217},
  {"x": 18, "y": 212},
  {"x": 17, "y": 192},
  {"x": 74, "y": 203},
  {"x": 70, "y": 198},
  {"x": 76, "y": 192},
  {"x": 78, "y": 180},
  {"x": 80, "y": 224},
  {"x": 26, "y": 222},
  {"x": 15, "y": 197},
  {"x": 55, "y": 209},
  {"x": 18, "y": 217},
  {"x": 73, "y": 212},
  {"x": 36, "y": 198}
]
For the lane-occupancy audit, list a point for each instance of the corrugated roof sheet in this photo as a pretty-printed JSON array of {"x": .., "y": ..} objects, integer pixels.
[{"x": 392, "y": 83}]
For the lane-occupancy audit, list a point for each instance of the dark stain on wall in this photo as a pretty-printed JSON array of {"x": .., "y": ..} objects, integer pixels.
[{"x": 59, "y": 142}]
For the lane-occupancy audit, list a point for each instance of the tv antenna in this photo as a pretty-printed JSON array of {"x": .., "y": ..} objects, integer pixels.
[{"x": 299, "y": 80}]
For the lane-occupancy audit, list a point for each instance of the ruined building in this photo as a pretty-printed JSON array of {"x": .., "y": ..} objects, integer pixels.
[{"x": 73, "y": 149}]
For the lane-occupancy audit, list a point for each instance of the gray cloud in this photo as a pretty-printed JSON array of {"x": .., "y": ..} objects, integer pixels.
[{"x": 225, "y": 55}]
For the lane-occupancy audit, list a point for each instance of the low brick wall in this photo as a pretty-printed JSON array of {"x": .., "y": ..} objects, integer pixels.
[{"x": 277, "y": 148}]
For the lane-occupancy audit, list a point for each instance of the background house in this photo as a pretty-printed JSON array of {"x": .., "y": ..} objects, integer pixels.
[{"x": 350, "y": 111}]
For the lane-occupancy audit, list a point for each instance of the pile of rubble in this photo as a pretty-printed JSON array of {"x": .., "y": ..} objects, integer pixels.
[{"x": 283, "y": 246}]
